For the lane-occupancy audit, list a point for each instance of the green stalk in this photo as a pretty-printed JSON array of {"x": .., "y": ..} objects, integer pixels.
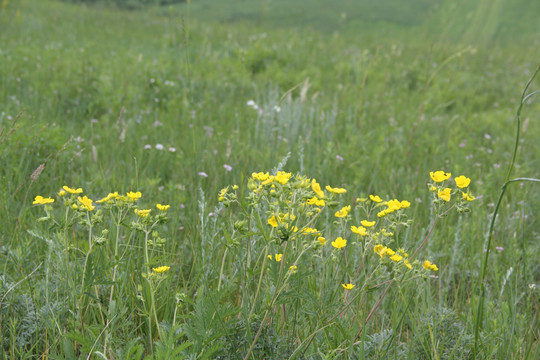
[{"x": 480, "y": 309}]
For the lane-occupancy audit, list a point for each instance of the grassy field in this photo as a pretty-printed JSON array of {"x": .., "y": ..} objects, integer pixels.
[{"x": 181, "y": 103}]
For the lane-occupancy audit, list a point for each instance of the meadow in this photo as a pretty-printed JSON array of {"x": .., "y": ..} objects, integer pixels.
[{"x": 270, "y": 180}]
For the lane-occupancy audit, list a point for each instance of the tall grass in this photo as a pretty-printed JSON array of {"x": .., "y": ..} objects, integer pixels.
[{"x": 156, "y": 101}]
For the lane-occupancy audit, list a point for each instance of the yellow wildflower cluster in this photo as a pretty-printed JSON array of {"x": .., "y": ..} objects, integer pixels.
[
  {"x": 86, "y": 203},
  {"x": 277, "y": 257},
  {"x": 444, "y": 192},
  {"x": 161, "y": 207},
  {"x": 397, "y": 257},
  {"x": 281, "y": 177},
  {"x": 142, "y": 213},
  {"x": 343, "y": 212},
  {"x": 430, "y": 266},
  {"x": 161, "y": 269},
  {"x": 40, "y": 200},
  {"x": 393, "y": 206}
]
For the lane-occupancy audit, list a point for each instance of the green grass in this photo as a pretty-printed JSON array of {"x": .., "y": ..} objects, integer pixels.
[{"x": 396, "y": 91}]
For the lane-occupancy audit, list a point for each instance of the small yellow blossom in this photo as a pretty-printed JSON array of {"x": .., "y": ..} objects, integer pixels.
[
  {"x": 336, "y": 190},
  {"x": 221, "y": 195},
  {"x": 375, "y": 198},
  {"x": 462, "y": 181},
  {"x": 360, "y": 230},
  {"x": 282, "y": 177},
  {"x": 407, "y": 264},
  {"x": 396, "y": 257},
  {"x": 293, "y": 268},
  {"x": 344, "y": 211},
  {"x": 161, "y": 269},
  {"x": 382, "y": 213},
  {"x": 162, "y": 207},
  {"x": 61, "y": 193},
  {"x": 110, "y": 196},
  {"x": 445, "y": 194},
  {"x": 367, "y": 223},
  {"x": 273, "y": 221},
  {"x": 269, "y": 180},
  {"x": 74, "y": 206},
  {"x": 235, "y": 187},
  {"x": 439, "y": 176},
  {"x": 40, "y": 200},
  {"x": 339, "y": 243},
  {"x": 347, "y": 286},
  {"x": 317, "y": 189},
  {"x": 86, "y": 203},
  {"x": 142, "y": 213},
  {"x": 133, "y": 196},
  {"x": 260, "y": 176},
  {"x": 278, "y": 257},
  {"x": 405, "y": 204},
  {"x": 468, "y": 197},
  {"x": 322, "y": 240},
  {"x": 393, "y": 205},
  {"x": 310, "y": 231},
  {"x": 72, "y": 191},
  {"x": 315, "y": 201},
  {"x": 430, "y": 266}
]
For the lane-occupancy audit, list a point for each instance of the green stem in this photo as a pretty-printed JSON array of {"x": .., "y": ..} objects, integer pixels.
[
  {"x": 221, "y": 269},
  {"x": 480, "y": 309},
  {"x": 263, "y": 267}
]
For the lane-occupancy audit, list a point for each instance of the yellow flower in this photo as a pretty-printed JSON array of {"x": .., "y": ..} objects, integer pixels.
[
  {"x": 405, "y": 204},
  {"x": 336, "y": 190},
  {"x": 293, "y": 268},
  {"x": 396, "y": 257},
  {"x": 315, "y": 201},
  {"x": 375, "y": 198},
  {"x": 235, "y": 187},
  {"x": 282, "y": 177},
  {"x": 61, "y": 193},
  {"x": 273, "y": 221},
  {"x": 445, "y": 194},
  {"x": 347, "y": 286},
  {"x": 269, "y": 256},
  {"x": 133, "y": 196},
  {"x": 393, "y": 205},
  {"x": 468, "y": 196},
  {"x": 278, "y": 257},
  {"x": 407, "y": 264},
  {"x": 142, "y": 213},
  {"x": 113, "y": 195},
  {"x": 260, "y": 176},
  {"x": 359, "y": 230},
  {"x": 439, "y": 176},
  {"x": 378, "y": 248},
  {"x": 317, "y": 189},
  {"x": 430, "y": 266},
  {"x": 86, "y": 203},
  {"x": 222, "y": 192},
  {"x": 382, "y": 213},
  {"x": 322, "y": 240},
  {"x": 344, "y": 211},
  {"x": 339, "y": 243},
  {"x": 163, "y": 207},
  {"x": 161, "y": 269},
  {"x": 72, "y": 191},
  {"x": 462, "y": 181},
  {"x": 367, "y": 223},
  {"x": 40, "y": 200},
  {"x": 308, "y": 231}
]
